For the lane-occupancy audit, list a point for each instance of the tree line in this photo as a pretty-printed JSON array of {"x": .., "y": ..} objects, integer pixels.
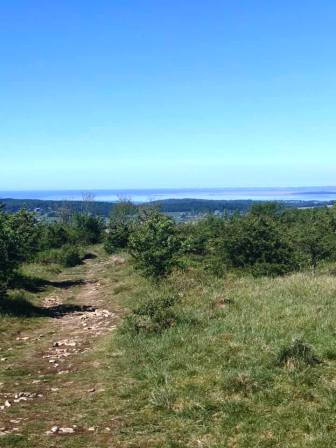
[
  {"x": 24, "y": 238},
  {"x": 267, "y": 240},
  {"x": 100, "y": 208}
]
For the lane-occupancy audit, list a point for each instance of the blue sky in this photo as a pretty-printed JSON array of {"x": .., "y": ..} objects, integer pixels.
[{"x": 155, "y": 93}]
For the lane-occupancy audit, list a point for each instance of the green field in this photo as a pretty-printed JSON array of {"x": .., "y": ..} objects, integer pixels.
[{"x": 216, "y": 365}]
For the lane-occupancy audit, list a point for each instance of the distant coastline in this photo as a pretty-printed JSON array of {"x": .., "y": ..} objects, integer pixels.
[{"x": 325, "y": 193}]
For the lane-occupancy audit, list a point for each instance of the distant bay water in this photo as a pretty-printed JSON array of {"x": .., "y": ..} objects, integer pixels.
[{"x": 145, "y": 195}]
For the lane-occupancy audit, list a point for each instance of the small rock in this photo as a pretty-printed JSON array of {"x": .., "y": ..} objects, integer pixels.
[
  {"x": 66, "y": 430},
  {"x": 20, "y": 399},
  {"x": 92, "y": 429},
  {"x": 7, "y": 404},
  {"x": 55, "y": 429}
]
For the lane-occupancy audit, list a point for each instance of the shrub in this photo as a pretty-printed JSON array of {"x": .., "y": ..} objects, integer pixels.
[
  {"x": 67, "y": 256},
  {"x": 197, "y": 235},
  {"x": 86, "y": 229},
  {"x": 48, "y": 256},
  {"x": 120, "y": 226},
  {"x": 153, "y": 316},
  {"x": 154, "y": 245},
  {"x": 117, "y": 237},
  {"x": 256, "y": 243},
  {"x": 25, "y": 234},
  {"x": 54, "y": 236},
  {"x": 6, "y": 266},
  {"x": 315, "y": 237},
  {"x": 19, "y": 241}
]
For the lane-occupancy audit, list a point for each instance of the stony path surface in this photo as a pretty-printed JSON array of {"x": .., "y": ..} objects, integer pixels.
[{"x": 77, "y": 318}]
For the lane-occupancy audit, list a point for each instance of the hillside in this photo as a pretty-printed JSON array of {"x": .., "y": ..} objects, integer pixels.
[{"x": 213, "y": 366}]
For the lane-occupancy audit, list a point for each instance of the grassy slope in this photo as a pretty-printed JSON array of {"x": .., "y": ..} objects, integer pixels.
[
  {"x": 212, "y": 379},
  {"x": 214, "y": 382}
]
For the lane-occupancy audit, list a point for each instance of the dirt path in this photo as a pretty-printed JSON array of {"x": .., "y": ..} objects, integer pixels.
[{"x": 77, "y": 315}]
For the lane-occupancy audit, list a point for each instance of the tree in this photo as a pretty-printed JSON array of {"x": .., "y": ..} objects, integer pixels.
[
  {"x": 54, "y": 236},
  {"x": 257, "y": 242},
  {"x": 154, "y": 244},
  {"x": 120, "y": 225},
  {"x": 315, "y": 236},
  {"x": 26, "y": 233},
  {"x": 6, "y": 244},
  {"x": 87, "y": 229},
  {"x": 197, "y": 236},
  {"x": 19, "y": 241}
]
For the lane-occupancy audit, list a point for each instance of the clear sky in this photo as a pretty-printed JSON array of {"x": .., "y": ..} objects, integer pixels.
[{"x": 167, "y": 93}]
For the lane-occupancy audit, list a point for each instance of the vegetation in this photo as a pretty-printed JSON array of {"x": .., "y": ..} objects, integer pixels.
[
  {"x": 231, "y": 361},
  {"x": 66, "y": 256},
  {"x": 247, "y": 362},
  {"x": 120, "y": 226},
  {"x": 232, "y": 345},
  {"x": 104, "y": 209},
  {"x": 155, "y": 244},
  {"x": 256, "y": 242},
  {"x": 23, "y": 238},
  {"x": 154, "y": 315},
  {"x": 18, "y": 243}
]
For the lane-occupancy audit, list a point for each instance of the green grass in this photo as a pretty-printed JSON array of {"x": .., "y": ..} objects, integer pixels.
[
  {"x": 214, "y": 379},
  {"x": 226, "y": 371}
]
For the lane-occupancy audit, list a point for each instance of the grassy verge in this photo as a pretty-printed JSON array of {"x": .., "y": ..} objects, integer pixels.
[
  {"x": 228, "y": 372},
  {"x": 237, "y": 362}
]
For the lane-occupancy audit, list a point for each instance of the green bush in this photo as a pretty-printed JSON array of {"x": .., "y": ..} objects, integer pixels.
[
  {"x": 48, "y": 256},
  {"x": 117, "y": 236},
  {"x": 70, "y": 256},
  {"x": 155, "y": 245},
  {"x": 196, "y": 236},
  {"x": 256, "y": 243},
  {"x": 54, "y": 236},
  {"x": 120, "y": 226},
  {"x": 86, "y": 229},
  {"x": 6, "y": 265},
  {"x": 19, "y": 236},
  {"x": 25, "y": 232},
  {"x": 67, "y": 256}
]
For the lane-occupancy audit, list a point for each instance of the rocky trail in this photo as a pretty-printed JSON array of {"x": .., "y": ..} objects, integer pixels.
[{"x": 77, "y": 316}]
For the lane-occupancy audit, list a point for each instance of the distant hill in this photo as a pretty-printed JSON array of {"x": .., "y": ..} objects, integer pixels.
[{"x": 192, "y": 206}]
